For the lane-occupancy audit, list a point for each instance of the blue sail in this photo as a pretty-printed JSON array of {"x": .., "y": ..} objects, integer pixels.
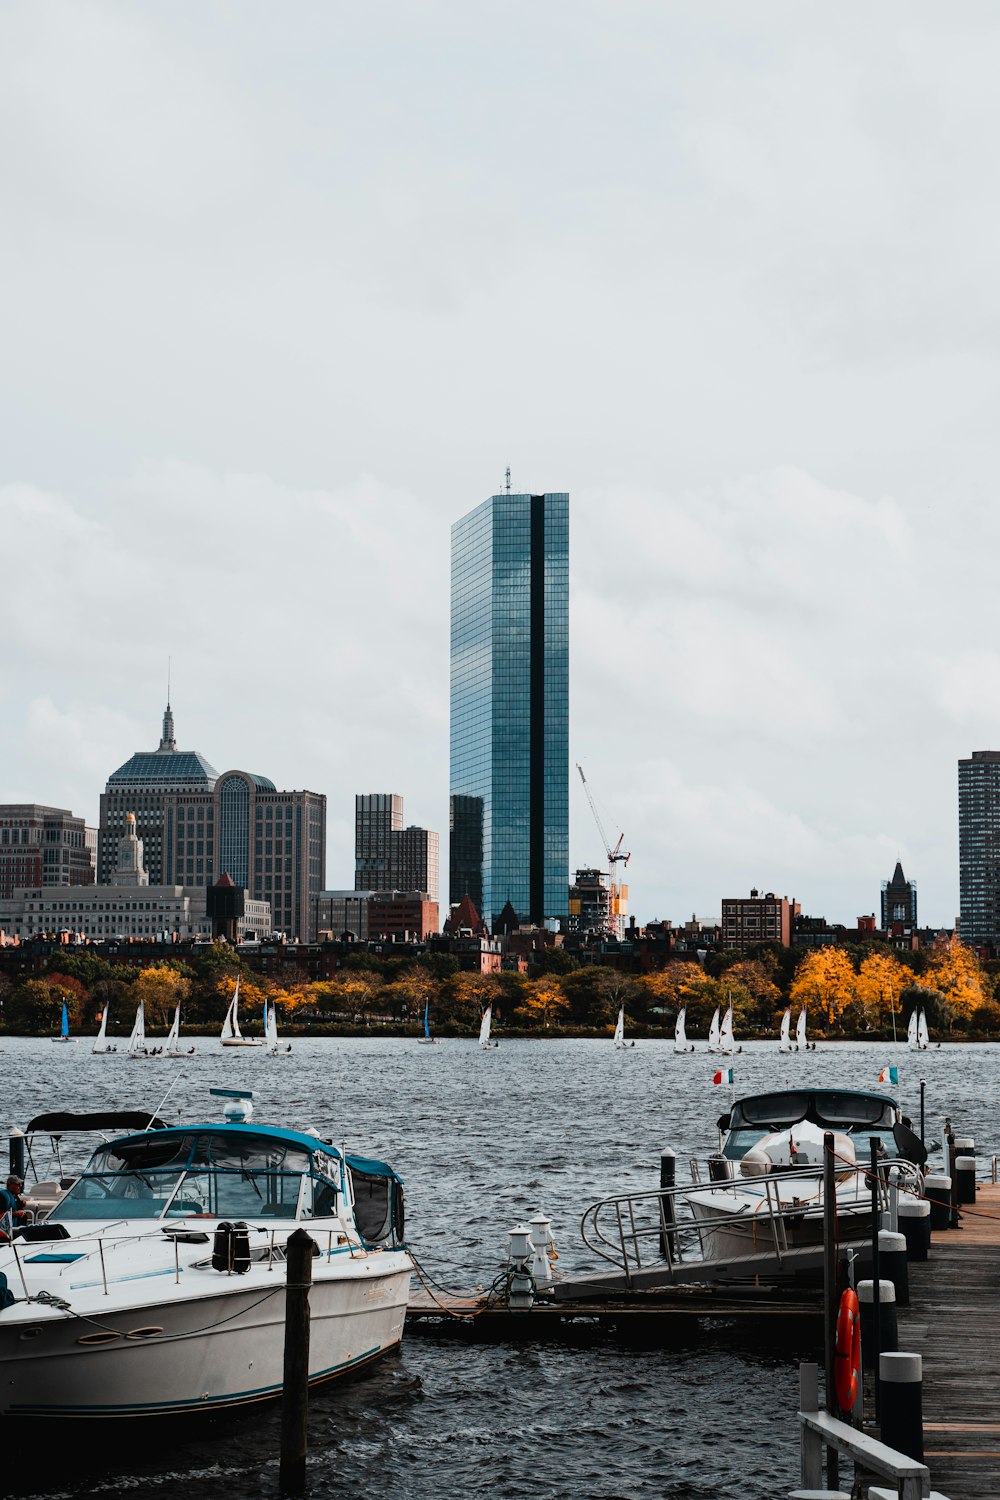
[
  {"x": 427, "y": 1024},
  {"x": 65, "y": 1020}
]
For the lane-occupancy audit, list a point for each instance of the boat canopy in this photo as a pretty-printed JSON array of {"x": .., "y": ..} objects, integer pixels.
[
  {"x": 122, "y": 1119},
  {"x": 849, "y": 1111}
]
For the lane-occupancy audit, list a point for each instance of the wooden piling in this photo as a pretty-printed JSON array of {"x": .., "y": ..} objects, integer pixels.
[{"x": 295, "y": 1391}]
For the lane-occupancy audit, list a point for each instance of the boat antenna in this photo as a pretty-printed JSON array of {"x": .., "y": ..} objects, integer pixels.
[{"x": 177, "y": 1077}]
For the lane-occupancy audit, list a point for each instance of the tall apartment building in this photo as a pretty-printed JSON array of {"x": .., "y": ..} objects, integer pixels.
[
  {"x": 43, "y": 846},
  {"x": 509, "y": 809},
  {"x": 597, "y": 904},
  {"x": 387, "y": 856},
  {"x": 757, "y": 919},
  {"x": 196, "y": 826},
  {"x": 979, "y": 848}
]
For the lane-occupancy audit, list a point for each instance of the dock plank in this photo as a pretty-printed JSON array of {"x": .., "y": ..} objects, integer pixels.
[{"x": 953, "y": 1322}]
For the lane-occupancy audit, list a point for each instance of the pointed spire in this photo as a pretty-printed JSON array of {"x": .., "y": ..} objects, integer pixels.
[{"x": 167, "y": 741}]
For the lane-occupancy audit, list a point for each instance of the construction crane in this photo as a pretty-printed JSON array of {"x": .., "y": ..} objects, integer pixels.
[{"x": 615, "y": 857}]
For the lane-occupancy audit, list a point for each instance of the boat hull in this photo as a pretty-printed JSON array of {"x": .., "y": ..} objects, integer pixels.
[
  {"x": 208, "y": 1353},
  {"x": 747, "y": 1232},
  {"x": 235, "y": 1041}
]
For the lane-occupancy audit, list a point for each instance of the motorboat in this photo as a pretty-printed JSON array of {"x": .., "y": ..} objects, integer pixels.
[
  {"x": 681, "y": 1043},
  {"x": 155, "y": 1286},
  {"x": 231, "y": 1035},
  {"x": 765, "y": 1186}
]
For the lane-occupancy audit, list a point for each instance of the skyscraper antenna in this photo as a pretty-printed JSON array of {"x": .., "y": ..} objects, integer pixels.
[
  {"x": 507, "y": 478},
  {"x": 169, "y": 659}
]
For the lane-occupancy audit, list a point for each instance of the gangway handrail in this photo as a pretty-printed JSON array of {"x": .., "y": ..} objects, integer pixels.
[{"x": 622, "y": 1245}]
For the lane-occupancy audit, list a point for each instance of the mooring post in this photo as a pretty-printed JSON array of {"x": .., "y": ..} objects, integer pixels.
[
  {"x": 954, "y": 1219},
  {"x": 811, "y": 1444},
  {"x": 876, "y": 1344},
  {"x": 17, "y": 1152},
  {"x": 295, "y": 1390},
  {"x": 830, "y": 1295},
  {"x": 903, "y": 1421},
  {"x": 668, "y": 1178},
  {"x": 923, "y": 1090}
]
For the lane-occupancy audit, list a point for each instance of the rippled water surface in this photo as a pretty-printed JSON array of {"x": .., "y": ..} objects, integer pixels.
[{"x": 483, "y": 1140}]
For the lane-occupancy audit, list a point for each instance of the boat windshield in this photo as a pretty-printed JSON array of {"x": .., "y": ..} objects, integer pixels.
[
  {"x": 212, "y": 1174},
  {"x": 855, "y": 1114}
]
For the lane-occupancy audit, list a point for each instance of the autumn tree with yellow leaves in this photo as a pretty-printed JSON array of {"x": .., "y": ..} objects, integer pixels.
[
  {"x": 161, "y": 989},
  {"x": 880, "y": 982},
  {"x": 955, "y": 974},
  {"x": 825, "y": 981}
]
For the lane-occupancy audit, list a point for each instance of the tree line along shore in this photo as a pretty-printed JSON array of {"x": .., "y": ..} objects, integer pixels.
[{"x": 850, "y": 993}]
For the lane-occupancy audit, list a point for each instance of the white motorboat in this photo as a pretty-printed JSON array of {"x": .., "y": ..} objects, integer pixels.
[
  {"x": 785, "y": 1037},
  {"x": 156, "y": 1285},
  {"x": 101, "y": 1042},
  {"x": 484, "y": 1031},
  {"x": 231, "y": 1035},
  {"x": 681, "y": 1043},
  {"x": 771, "y": 1162},
  {"x": 714, "y": 1031}
]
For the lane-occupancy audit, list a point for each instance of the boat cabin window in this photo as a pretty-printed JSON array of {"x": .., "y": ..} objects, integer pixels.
[
  {"x": 860, "y": 1115},
  {"x": 378, "y": 1207}
]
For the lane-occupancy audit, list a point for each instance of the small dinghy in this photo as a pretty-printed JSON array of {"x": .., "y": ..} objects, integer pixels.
[
  {"x": 484, "y": 1031},
  {"x": 231, "y": 1035},
  {"x": 681, "y": 1043}
]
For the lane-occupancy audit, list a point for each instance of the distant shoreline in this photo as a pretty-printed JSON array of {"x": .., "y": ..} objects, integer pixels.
[{"x": 290, "y": 1032}]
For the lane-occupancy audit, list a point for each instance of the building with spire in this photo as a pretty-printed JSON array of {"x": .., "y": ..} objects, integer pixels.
[
  {"x": 142, "y": 786},
  {"x": 196, "y": 825},
  {"x": 129, "y": 868},
  {"x": 899, "y": 903}
]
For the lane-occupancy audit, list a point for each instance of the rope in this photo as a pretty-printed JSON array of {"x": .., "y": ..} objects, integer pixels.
[{"x": 493, "y": 1294}]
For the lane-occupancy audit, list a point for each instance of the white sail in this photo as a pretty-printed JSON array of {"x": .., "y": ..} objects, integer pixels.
[
  {"x": 923, "y": 1035},
  {"x": 800, "y": 1030},
  {"x": 785, "y": 1039},
  {"x": 726, "y": 1040},
  {"x": 713, "y": 1032},
  {"x": 173, "y": 1035},
  {"x": 101, "y": 1043},
  {"x": 680, "y": 1031},
  {"x": 912, "y": 1040},
  {"x": 137, "y": 1041},
  {"x": 231, "y": 1025},
  {"x": 271, "y": 1028},
  {"x": 484, "y": 1029},
  {"x": 620, "y": 1028}
]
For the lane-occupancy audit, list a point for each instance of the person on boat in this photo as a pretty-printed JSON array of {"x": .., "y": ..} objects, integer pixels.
[{"x": 11, "y": 1200}]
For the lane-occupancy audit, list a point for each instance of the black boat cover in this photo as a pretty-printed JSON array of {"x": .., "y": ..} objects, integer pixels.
[{"x": 120, "y": 1119}]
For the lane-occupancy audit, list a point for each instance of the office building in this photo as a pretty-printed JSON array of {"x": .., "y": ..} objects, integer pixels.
[
  {"x": 341, "y": 916},
  {"x": 899, "y": 902},
  {"x": 42, "y": 846},
  {"x": 979, "y": 849},
  {"x": 597, "y": 904},
  {"x": 759, "y": 919},
  {"x": 509, "y": 807},
  {"x": 387, "y": 856},
  {"x": 196, "y": 825},
  {"x": 142, "y": 786}
]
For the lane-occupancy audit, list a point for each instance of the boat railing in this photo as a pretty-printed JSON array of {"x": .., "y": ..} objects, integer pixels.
[{"x": 639, "y": 1231}]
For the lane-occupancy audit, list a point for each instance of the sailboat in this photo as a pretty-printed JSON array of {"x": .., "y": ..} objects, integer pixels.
[
  {"x": 923, "y": 1035},
  {"x": 172, "y": 1046},
  {"x": 137, "y": 1041},
  {"x": 427, "y": 1040},
  {"x": 274, "y": 1047},
  {"x": 727, "y": 1042},
  {"x": 101, "y": 1043},
  {"x": 785, "y": 1039},
  {"x": 231, "y": 1035},
  {"x": 621, "y": 1044},
  {"x": 681, "y": 1043},
  {"x": 714, "y": 1033},
  {"x": 484, "y": 1031},
  {"x": 64, "y": 1035},
  {"x": 913, "y": 1037},
  {"x": 801, "y": 1045}
]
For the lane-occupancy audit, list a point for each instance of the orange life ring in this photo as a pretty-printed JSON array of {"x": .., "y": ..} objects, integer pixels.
[{"x": 847, "y": 1356}]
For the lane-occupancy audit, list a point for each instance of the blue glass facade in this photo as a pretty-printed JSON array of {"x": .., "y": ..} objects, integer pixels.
[{"x": 510, "y": 706}]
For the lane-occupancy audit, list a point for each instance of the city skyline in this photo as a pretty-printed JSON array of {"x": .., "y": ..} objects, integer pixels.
[{"x": 750, "y": 333}]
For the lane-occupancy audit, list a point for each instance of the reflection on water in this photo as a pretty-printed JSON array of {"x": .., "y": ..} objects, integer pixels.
[{"x": 483, "y": 1140}]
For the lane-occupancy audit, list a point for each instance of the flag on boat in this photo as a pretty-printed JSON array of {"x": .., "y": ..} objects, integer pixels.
[
  {"x": 724, "y": 1075},
  {"x": 889, "y": 1075}
]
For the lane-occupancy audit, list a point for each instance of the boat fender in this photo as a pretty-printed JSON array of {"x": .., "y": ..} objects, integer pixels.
[
  {"x": 847, "y": 1355},
  {"x": 241, "y": 1248},
  {"x": 222, "y": 1248}
]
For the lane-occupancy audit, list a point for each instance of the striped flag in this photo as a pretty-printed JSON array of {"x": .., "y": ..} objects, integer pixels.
[
  {"x": 889, "y": 1075},
  {"x": 724, "y": 1075}
]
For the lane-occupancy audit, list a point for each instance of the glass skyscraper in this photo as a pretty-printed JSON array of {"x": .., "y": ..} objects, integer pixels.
[{"x": 510, "y": 706}]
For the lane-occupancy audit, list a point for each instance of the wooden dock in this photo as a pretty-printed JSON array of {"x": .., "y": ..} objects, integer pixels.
[{"x": 953, "y": 1322}]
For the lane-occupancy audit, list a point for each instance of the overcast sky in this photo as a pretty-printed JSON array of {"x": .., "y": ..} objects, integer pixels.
[{"x": 284, "y": 288}]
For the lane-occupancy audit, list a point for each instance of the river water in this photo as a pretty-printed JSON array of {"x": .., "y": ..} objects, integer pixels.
[{"x": 483, "y": 1140}]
